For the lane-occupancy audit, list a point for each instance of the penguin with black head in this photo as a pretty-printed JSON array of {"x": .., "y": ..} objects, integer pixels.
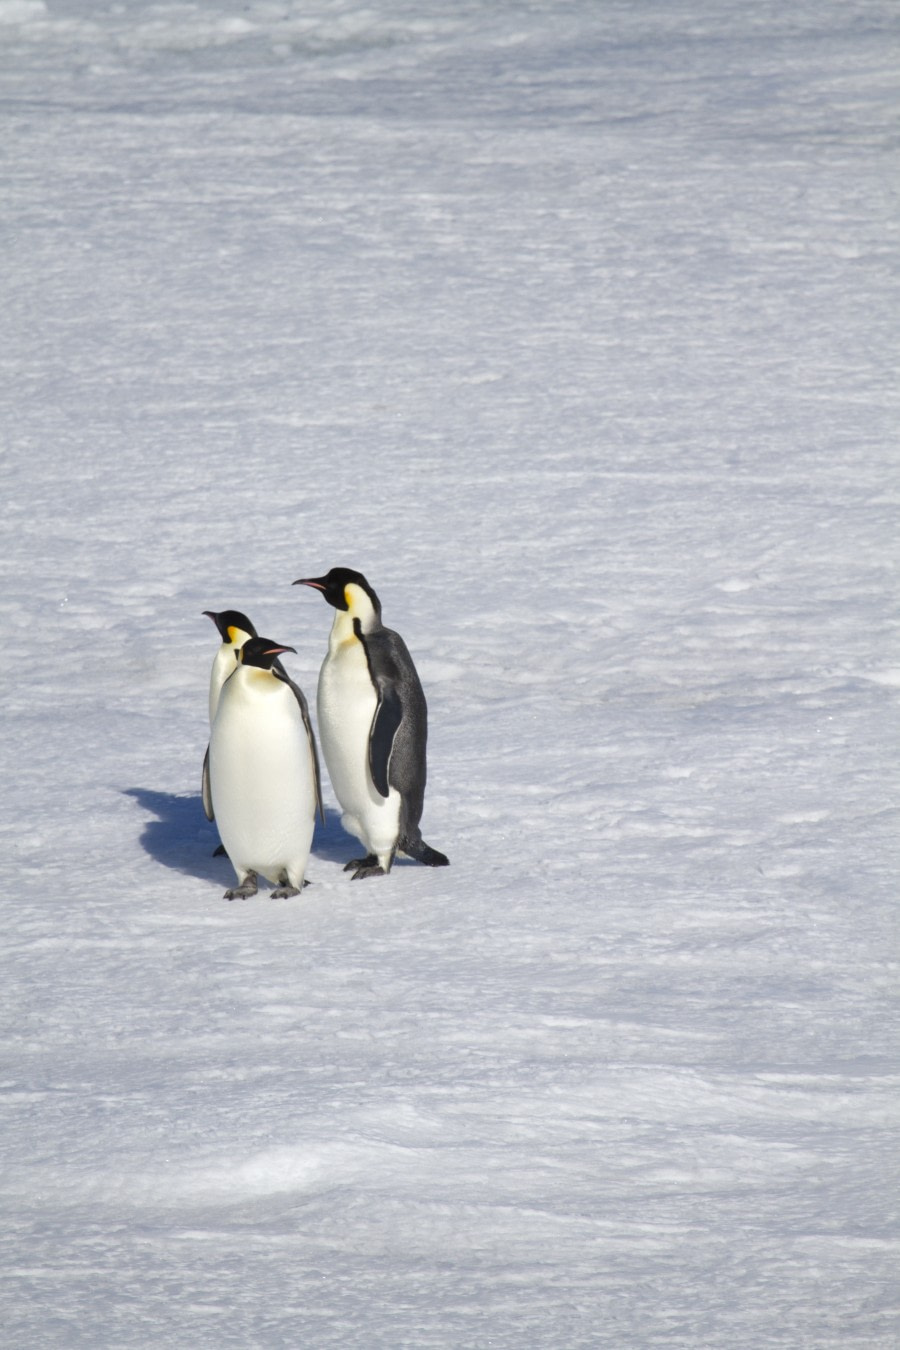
[
  {"x": 373, "y": 723},
  {"x": 264, "y": 772},
  {"x": 234, "y": 628}
]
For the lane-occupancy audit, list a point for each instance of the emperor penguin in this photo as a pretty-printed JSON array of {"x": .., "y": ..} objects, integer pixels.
[
  {"x": 264, "y": 772},
  {"x": 234, "y": 630},
  {"x": 374, "y": 724}
]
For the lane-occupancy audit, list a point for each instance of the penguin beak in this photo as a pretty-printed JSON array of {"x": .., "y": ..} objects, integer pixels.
[
  {"x": 276, "y": 651},
  {"x": 309, "y": 581}
]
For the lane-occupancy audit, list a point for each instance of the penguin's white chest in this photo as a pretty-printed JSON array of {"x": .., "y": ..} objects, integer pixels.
[
  {"x": 261, "y": 776},
  {"x": 346, "y": 704},
  {"x": 223, "y": 666}
]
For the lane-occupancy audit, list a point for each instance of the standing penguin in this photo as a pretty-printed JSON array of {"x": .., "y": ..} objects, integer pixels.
[
  {"x": 264, "y": 772},
  {"x": 374, "y": 724},
  {"x": 234, "y": 629}
]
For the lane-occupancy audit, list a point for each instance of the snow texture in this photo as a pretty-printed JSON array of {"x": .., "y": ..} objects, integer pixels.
[{"x": 574, "y": 326}]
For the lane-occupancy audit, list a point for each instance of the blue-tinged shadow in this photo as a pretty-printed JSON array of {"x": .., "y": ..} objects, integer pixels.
[
  {"x": 331, "y": 841},
  {"x": 180, "y": 836}
]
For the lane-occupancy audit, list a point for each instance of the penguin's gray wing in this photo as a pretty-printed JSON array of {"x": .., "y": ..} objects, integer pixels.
[
  {"x": 385, "y": 725},
  {"x": 397, "y": 712},
  {"x": 398, "y": 737},
  {"x": 279, "y": 671},
  {"x": 205, "y": 789}
]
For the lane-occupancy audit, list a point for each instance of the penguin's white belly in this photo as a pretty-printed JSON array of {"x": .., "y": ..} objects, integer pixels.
[
  {"x": 346, "y": 705},
  {"x": 261, "y": 778},
  {"x": 223, "y": 666}
]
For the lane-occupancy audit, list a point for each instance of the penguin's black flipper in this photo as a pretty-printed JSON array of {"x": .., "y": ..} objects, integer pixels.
[
  {"x": 385, "y": 724},
  {"x": 279, "y": 670},
  {"x": 205, "y": 790},
  {"x": 385, "y": 679}
]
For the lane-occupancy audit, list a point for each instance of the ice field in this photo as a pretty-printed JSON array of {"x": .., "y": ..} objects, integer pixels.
[{"x": 575, "y": 327}]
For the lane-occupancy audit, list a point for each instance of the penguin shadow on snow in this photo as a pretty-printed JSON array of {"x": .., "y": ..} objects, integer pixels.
[{"x": 180, "y": 836}]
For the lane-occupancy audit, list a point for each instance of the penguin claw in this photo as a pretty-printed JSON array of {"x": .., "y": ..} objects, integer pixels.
[
  {"x": 365, "y": 867},
  {"x": 285, "y": 890},
  {"x": 368, "y": 861},
  {"x": 245, "y": 891}
]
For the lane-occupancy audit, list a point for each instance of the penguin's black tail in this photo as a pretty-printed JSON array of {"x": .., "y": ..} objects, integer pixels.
[{"x": 418, "y": 849}]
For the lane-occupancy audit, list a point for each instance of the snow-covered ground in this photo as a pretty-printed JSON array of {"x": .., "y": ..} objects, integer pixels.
[{"x": 574, "y": 326}]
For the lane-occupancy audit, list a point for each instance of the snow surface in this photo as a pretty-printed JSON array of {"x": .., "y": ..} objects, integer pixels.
[{"x": 575, "y": 327}]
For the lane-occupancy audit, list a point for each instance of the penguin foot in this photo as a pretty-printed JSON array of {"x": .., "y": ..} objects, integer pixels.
[
  {"x": 369, "y": 866},
  {"x": 368, "y": 861},
  {"x": 245, "y": 891},
  {"x": 285, "y": 889}
]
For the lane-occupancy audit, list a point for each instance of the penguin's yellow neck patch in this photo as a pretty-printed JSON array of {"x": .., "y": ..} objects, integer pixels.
[
  {"x": 236, "y": 637},
  {"x": 359, "y": 606},
  {"x": 260, "y": 677}
]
